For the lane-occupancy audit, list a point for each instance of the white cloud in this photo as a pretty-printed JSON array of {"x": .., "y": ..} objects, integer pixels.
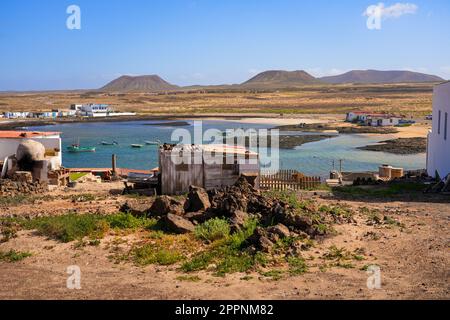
[
  {"x": 417, "y": 69},
  {"x": 395, "y": 11},
  {"x": 445, "y": 71},
  {"x": 319, "y": 72}
]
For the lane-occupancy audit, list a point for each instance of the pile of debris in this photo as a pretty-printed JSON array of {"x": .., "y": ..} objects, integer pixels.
[
  {"x": 442, "y": 186},
  {"x": 22, "y": 183},
  {"x": 237, "y": 203}
]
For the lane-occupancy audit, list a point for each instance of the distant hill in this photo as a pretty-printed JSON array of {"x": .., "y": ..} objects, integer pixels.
[
  {"x": 374, "y": 76},
  {"x": 280, "y": 78},
  {"x": 151, "y": 83}
]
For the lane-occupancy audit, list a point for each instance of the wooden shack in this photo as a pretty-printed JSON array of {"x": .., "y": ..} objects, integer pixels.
[{"x": 208, "y": 166}]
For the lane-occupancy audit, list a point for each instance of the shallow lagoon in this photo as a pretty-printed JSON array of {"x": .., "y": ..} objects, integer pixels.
[{"x": 313, "y": 158}]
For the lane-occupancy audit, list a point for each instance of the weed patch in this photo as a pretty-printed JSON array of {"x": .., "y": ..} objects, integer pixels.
[{"x": 13, "y": 256}]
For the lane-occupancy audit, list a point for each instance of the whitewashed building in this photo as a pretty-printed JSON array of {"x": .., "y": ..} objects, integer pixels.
[
  {"x": 382, "y": 121},
  {"x": 438, "y": 153},
  {"x": 10, "y": 140}
]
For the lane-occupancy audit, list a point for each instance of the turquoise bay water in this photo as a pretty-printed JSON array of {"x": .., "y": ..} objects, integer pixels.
[{"x": 312, "y": 158}]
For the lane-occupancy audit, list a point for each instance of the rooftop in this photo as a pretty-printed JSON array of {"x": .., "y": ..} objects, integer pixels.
[
  {"x": 219, "y": 148},
  {"x": 25, "y": 134}
]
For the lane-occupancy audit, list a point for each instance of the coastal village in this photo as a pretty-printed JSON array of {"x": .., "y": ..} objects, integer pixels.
[
  {"x": 209, "y": 230},
  {"x": 90, "y": 110}
]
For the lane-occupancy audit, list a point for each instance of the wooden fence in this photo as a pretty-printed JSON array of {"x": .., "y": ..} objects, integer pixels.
[{"x": 287, "y": 180}]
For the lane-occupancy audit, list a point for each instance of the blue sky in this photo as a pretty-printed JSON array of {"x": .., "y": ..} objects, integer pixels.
[{"x": 212, "y": 41}]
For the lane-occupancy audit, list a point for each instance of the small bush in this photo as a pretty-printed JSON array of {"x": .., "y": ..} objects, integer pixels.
[
  {"x": 297, "y": 266},
  {"x": 13, "y": 256},
  {"x": 213, "y": 230},
  {"x": 149, "y": 254},
  {"x": 70, "y": 227},
  {"x": 128, "y": 221}
]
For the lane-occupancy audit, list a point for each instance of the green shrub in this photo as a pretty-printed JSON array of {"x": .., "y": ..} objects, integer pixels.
[
  {"x": 70, "y": 227},
  {"x": 128, "y": 221},
  {"x": 13, "y": 256},
  {"x": 150, "y": 254},
  {"x": 213, "y": 230},
  {"x": 297, "y": 266}
]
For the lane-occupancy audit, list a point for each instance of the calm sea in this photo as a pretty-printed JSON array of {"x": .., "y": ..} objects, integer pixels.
[{"x": 314, "y": 158}]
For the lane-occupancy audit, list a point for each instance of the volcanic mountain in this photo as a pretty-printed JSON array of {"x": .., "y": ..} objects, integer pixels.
[
  {"x": 375, "y": 76},
  {"x": 280, "y": 78},
  {"x": 150, "y": 83}
]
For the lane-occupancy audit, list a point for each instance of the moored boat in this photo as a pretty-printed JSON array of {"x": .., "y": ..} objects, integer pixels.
[
  {"x": 157, "y": 142},
  {"x": 135, "y": 145},
  {"x": 75, "y": 148}
]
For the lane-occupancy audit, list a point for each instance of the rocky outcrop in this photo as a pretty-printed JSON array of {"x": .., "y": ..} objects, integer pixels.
[
  {"x": 178, "y": 224},
  {"x": 197, "y": 200},
  {"x": 164, "y": 205}
]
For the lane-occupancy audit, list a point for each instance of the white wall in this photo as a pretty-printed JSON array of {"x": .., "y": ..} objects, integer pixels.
[
  {"x": 8, "y": 147},
  {"x": 438, "y": 155}
]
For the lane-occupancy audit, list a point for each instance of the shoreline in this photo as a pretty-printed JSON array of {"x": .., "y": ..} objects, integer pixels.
[{"x": 242, "y": 118}]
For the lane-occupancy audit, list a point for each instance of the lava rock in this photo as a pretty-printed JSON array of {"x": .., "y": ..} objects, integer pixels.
[
  {"x": 197, "y": 200},
  {"x": 237, "y": 220},
  {"x": 178, "y": 224},
  {"x": 164, "y": 205},
  {"x": 280, "y": 229}
]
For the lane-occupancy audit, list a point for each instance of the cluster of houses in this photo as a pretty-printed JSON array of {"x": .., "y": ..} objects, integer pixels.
[
  {"x": 373, "y": 119},
  {"x": 75, "y": 110}
]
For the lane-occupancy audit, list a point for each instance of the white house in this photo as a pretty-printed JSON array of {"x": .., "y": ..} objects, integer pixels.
[
  {"x": 372, "y": 119},
  {"x": 438, "y": 153},
  {"x": 10, "y": 140},
  {"x": 382, "y": 121}
]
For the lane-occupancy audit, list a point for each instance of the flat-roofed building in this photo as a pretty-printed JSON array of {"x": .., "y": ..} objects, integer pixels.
[{"x": 438, "y": 151}]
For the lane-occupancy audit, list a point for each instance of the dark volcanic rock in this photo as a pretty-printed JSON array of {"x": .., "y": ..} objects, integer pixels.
[
  {"x": 199, "y": 216},
  {"x": 237, "y": 220},
  {"x": 197, "y": 200},
  {"x": 178, "y": 224},
  {"x": 260, "y": 239},
  {"x": 241, "y": 196},
  {"x": 164, "y": 205},
  {"x": 280, "y": 229},
  {"x": 399, "y": 146}
]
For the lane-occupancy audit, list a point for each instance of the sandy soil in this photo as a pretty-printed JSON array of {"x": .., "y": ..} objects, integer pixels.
[{"x": 414, "y": 262}]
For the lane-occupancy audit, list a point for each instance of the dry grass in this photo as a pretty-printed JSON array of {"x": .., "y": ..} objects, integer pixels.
[{"x": 414, "y": 99}]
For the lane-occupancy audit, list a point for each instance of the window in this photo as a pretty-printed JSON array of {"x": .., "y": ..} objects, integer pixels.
[
  {"x": 439, "y": 122},
  {"x": 445, "y": 126}
]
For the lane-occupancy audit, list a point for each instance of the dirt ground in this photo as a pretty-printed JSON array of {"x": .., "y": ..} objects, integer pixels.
[{"x": 414, "y": 260}]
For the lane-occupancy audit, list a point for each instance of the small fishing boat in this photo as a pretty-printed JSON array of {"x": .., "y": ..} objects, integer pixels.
[
  {"x": 135, "y": 145},
  {"x": 157, "y": 142},
  {"x": 75, "y": 148},
  {"x": 105, "y": 143}
]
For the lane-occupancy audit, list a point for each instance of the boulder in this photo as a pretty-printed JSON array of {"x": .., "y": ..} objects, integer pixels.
[
  {"x": 237, "y": 220},
  {"x": 134, "y": 208},
  {"x": 199, "y": 216},
  {"x": 178, "y": 224},
  {"x": 260, "y": 239},
  {"x": 280, "y": 229},
  {"x": 197, "y": 200},
  {"x": 164, "y": 205}
]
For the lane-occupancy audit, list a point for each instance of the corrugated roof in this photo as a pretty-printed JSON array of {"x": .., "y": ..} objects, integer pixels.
[
  {"x": 219, "y": 148},
  {"x": 25, "y": 134}
]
